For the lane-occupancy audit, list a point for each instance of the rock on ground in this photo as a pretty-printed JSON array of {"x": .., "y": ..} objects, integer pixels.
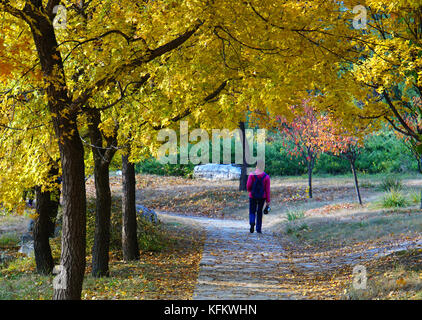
[
  {"x": 146, "y": 213},
  {"x": 213, "y": 171}
]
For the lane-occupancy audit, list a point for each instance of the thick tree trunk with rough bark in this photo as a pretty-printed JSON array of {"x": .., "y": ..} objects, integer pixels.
[
  {"x": 46, "y": 207},
  {"x": 129, "y": 230},
  {"x": 71, "y": 153},
  {"x": 39, "y": 16},
  {"x": 74, "y": 218},
  {"x": 419, "y": 159}
]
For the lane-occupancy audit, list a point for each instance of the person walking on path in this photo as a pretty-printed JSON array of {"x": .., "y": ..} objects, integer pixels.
[{"x": 258, "y": 186}]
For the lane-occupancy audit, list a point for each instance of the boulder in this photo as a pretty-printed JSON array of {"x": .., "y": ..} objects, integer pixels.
[
  {"x": 26, "y": 237},
  {"x": 146, "y": 213},
  {"x": 27, "y": 245},
  {"x": 214, "y": 171},
  {"x": 31, "y": 225}
]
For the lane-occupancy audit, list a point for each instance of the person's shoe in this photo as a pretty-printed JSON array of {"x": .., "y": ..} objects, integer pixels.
[
  {"x": 259, "y": 231},
  {"x": 252, "y": 228}
]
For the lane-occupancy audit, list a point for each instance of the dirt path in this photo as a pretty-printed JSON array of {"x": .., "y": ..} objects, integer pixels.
[{"x": 237, "y": 264}]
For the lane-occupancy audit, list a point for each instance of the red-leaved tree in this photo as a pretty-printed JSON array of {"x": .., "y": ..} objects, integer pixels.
[
  {"x": 346, "y": 145},
  {"x": 313, "y": 133},
  {"x": 307, "y": 132}
]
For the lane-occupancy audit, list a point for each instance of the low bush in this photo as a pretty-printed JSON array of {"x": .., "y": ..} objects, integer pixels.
[
  {"x": 415, "y": 197},
  {"x": 9, "y": 239},
  {"x": 383, "y": 152},
  {"x": 394, "y": 199},
  {"x": 391, "y": 183},
  {"x": 295, "y": 215},
  {"x": 151, "y": 237},
  {"x": 152, "y": 166}
]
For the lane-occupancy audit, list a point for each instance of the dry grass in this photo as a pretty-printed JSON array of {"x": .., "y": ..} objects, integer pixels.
[{"x": 168, "y": 274}]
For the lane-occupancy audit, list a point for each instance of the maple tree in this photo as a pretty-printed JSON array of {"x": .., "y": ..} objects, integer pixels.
[
  {"x": 345, "y": 145},
  {"x": 71, "y": 68},
  {"x": 75, "y": 71},
  {"x": 312, "y": 133},
  {"x": 29, "y": 163},
  {"x": 308, "y": 133},
  {"x": 413, "y": 121},
  {"x": 265, "y": 55}
]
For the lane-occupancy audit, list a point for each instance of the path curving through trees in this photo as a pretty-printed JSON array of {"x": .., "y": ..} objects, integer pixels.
[{"x": 239, "y": 265}]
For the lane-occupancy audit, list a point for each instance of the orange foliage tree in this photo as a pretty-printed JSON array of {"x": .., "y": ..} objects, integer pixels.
[{"x": 313, "y": 133}]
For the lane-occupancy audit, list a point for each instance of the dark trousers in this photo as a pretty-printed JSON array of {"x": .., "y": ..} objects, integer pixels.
[{"x": 255, "y": 212}]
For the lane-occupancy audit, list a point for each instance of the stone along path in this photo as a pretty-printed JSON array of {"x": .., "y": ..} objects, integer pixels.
[{"x": 239, "y": 265}]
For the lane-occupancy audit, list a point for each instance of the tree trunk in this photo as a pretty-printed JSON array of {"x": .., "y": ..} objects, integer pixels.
[
  {"x": 100, "y": 249},
  {"x": 64, "y": 119},
  {"x": 46, "y": 208},
  {"x": 352, "y": 164},
  {"x": 129, "y": 230},
  {"x": 102, "y": 158},
  {"x": 243, "y": 173},
  {"x": 420, "y": 171},
  {"x": 74, "y": 217},
  {"x": 311, "y": 163}
]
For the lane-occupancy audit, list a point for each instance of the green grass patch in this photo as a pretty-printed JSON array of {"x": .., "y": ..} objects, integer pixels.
[
  {"x": 375, "y": 226},
  {"x": 394, "y": 199},
  {"x": 391, "y": 183},
  {"x": 293, "y": 215},
  {"x": 9, "y": 239},
  {"x": 297, "y": 231}
]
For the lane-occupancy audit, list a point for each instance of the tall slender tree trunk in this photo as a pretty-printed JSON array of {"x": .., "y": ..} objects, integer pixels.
[
  {"x": 352, "y": 164},
  {"x": 102, "y": 159},
  {"x": 420, "y": 206},
  {"x": 129, "y": 230},
  {"x": 46, "y": 207},
  {"x": 243, "y": 173},
  {"x": 101, "y": 247},
  {"x": 311, "y": 164},
  {"x": 420, "y": 171}
]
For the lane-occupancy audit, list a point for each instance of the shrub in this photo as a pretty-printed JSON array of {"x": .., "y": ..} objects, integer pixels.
[
  {"x": 415, "y": 197},
  {"x": 328, "y": 164},
  {"x": 152, "y": 166},
  {"x": 391, "y": 183},
  {"x": 295, "y": 215},
  {"x": 9, "y": 239},
  {"x": 394, "y": 199},
  {"x": 151, "y": 237},
  {"x": 384, "y": 152}
]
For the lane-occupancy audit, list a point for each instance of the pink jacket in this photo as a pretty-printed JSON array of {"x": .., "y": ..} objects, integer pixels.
[{"x": 251, "y": 179}]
